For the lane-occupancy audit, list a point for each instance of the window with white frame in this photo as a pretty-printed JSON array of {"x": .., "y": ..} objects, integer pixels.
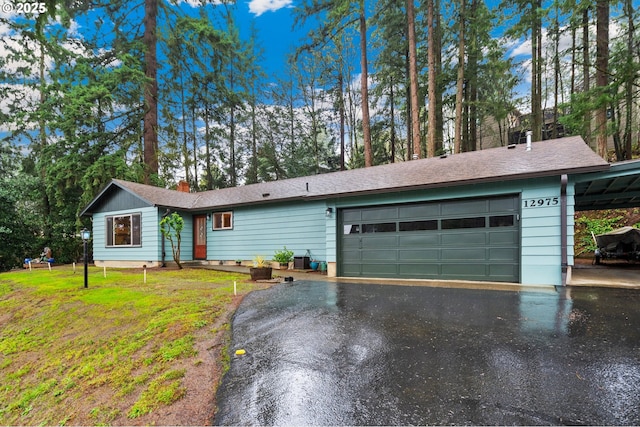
[
  {"x": 123, "y": 230},
  {"x": 222, "y": 220}
]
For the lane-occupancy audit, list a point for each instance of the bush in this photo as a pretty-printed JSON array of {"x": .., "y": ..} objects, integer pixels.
[
  {"x": 585, "y": 225},
  {"x": 283, "y": 256}
]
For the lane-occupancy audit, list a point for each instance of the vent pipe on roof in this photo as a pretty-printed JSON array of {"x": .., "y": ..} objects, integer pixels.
[{"x": 529, "y": 140}]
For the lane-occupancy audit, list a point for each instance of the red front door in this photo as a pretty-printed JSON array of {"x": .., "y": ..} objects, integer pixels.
[{"x": 200, "y": 237}]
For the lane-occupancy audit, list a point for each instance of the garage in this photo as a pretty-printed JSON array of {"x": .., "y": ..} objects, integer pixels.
[{"x": 468, "y": 239}]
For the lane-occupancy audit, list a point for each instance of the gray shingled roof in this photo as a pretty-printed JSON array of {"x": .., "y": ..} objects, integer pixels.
[{"x": 547, "y": 158}]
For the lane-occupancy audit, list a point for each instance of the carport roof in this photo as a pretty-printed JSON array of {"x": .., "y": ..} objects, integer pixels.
[
  {"x": 547, "y": 158},
  {"x": 619, "y": 187}
]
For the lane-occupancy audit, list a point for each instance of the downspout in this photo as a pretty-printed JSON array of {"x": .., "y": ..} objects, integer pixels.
[
  {"x": 164, "y": 254},
  {"x": 563, "y": 228}
]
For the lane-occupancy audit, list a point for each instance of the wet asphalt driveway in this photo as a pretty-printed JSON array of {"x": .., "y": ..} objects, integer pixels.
[{"x": 322, "y": 353}]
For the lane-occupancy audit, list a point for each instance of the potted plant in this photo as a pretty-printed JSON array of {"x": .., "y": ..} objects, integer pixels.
[
  {"x": 260, "y": 270},
  {"x": 283, "y": 257},
  {"x": 238, "y": 262}
]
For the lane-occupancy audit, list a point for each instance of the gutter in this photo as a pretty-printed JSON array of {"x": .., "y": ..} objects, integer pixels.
[{"x": 563, "y": 228}]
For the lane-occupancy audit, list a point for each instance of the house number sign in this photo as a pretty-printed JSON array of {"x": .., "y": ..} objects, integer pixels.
[{"x": 541, "y": 202}]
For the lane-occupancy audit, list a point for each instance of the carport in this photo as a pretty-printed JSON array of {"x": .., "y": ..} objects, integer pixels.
[{"x": 617, "y": 188}]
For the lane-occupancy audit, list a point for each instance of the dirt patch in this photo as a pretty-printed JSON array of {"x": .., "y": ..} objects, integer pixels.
[{"x": 203, "y": 374}]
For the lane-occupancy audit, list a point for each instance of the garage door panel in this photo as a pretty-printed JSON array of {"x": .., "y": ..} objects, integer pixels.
[
  {"x": 351, "y": 216},
  {"x": 351, "y": 256},
  {"x": 428, "y": 271},
  {"x": 463, "y": 207},
  {"x": 419, "y": 255},
  {"x": 379, "y": 240},
  {"x": 463, "y": 239},
  {"x": 379, "y": 213},
  {"x": 502, "y": 272},
  {"x": 351, "y": 243},
  {"x": 387, "y": 256},
  {"x": 503, "y": 254},
  {"x": 379, "y": 270},
  {"x": 504, "y": 204},
  {"x": 351, "y": 269},
  {"x": 477, "y": 254},
  {"x": 463, "y": 269},
  {"x": 419, "y": 211},
  {"x": 503, "y": 236},
  {"x": 417, "y": 240}
]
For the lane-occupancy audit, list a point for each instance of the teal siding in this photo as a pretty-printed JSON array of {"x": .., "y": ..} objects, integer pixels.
[
  {"x": 150, "y": 238},
  {"x": 331, "y": 234},
  {"x": 540, "y": 231},
  {"x": 263, "y": 229},
  {"x": 571, "y": 203},
  {"x": 186, "y": 253}
]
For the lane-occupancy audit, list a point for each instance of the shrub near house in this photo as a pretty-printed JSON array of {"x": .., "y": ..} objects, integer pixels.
[{"x": 283, "y": 257}]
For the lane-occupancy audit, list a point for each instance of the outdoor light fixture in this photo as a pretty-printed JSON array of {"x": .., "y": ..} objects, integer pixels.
[
  {"x": 86, "y": 235},
  {"x": 328, "y": 212}
]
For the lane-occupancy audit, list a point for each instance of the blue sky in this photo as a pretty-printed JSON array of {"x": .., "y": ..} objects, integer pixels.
[{"x": 273, "y": 20}]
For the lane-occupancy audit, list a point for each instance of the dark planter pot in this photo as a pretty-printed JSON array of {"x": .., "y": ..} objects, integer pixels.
[{"x": 260, "y": 273}]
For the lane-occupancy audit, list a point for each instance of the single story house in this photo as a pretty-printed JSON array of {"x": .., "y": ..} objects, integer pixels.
[{"x": 501, "y": 214}]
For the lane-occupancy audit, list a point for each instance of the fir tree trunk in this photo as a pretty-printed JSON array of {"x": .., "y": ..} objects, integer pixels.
[
  {"x": 150, "y": 126},
  {"x": 366, "y": 128},
  {"x": 586, "y": 131},
  {"x": 536, "y": 72},
  {"x": 413, "y": 79},
  {"x": 602, "y": 69},
  {"x": 431, "y": 58},
  {"x": 629, "y": 82},
  {"x": 457, "y": 142}
]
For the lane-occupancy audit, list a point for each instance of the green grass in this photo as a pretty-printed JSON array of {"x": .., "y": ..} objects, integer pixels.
[{"x": 115, "y": 347}]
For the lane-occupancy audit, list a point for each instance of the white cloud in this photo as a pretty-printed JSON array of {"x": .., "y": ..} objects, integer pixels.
[{"x": 258, "y": 7}]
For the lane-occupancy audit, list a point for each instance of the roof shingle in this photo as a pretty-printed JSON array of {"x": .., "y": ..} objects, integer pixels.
[{"x": 547, "y": 158}]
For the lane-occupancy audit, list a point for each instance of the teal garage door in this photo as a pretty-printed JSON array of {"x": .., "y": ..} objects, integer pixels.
[{"x": 470, "y": 239}]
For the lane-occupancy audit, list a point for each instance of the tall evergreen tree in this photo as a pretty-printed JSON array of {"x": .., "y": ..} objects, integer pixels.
[
  {"x": 602, "y": 70},
  {"x": 150, "y": 131},
  {"x": 413, "y": 73}
]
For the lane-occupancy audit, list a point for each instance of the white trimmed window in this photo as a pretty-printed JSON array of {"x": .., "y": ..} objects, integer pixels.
[
  {"x": 123, "y": 230},
  {"x": 222, "y": 220}
]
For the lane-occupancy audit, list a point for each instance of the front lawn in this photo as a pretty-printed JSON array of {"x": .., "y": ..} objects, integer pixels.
[{"x": 118, "y": 353}]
